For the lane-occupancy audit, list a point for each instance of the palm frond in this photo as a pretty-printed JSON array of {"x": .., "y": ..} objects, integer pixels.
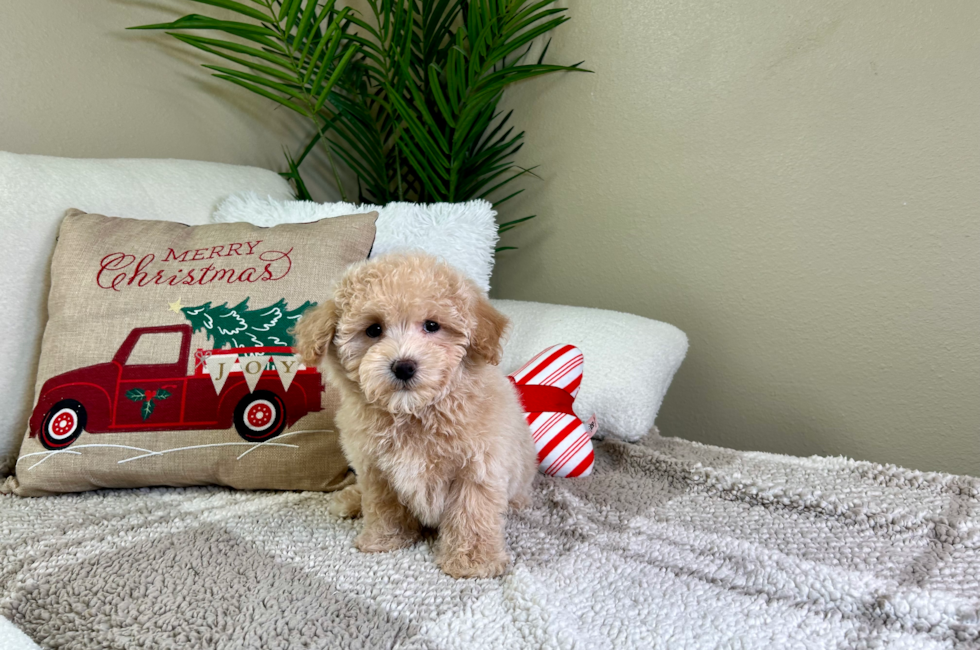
[{"x": 406, "y": 96}]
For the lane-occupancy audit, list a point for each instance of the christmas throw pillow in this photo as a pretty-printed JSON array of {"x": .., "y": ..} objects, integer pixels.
[{"x": 167, "y": 357}]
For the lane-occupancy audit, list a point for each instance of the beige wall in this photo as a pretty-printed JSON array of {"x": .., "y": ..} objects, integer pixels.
[
  {"x": 74, "y": 83},
  {"x": 794, "y": 184}
]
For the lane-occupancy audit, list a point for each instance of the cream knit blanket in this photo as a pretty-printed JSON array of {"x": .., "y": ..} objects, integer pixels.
[{"x": 670, "y": 544}]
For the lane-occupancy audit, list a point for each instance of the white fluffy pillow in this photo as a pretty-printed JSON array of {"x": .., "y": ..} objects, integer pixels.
[
  {"x": 462, "y": 234},
  {"x": 35, "y": 192},
  {"x": 629, "y": 360}
]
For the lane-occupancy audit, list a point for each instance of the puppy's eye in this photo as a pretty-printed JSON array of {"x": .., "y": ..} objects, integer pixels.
[
  {"x": 430, "y": 326},
  {"x": 373, "y": 331}
]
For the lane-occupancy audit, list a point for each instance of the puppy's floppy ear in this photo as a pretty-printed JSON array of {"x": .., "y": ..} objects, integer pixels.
[
  {"x": 485, "y": 341},
  {"x": 314, "y": 332}
]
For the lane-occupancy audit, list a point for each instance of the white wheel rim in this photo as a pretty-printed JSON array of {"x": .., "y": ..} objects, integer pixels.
[
  {"x": 62, "y": 424},
  {"x": 260, "y": 415}
]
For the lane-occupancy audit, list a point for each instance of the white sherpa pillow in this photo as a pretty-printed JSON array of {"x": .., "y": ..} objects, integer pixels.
[
  {"x": 35, "y": 192},
  {"x": 629, "y": 360},
  {"x": 462, "y": 234}
]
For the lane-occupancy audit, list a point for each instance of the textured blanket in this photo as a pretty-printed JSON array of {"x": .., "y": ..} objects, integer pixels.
[{"x": 670, "y": 544}]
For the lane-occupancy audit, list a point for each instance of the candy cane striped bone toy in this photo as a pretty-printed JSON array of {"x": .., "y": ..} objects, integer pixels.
[{"x": 547, "y": 386}]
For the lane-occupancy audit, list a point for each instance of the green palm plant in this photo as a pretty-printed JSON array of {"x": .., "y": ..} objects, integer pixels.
[{"x": 406, "y": 98}]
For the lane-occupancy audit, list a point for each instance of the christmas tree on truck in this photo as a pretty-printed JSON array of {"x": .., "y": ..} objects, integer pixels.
[{"x": 241, "y": 327}]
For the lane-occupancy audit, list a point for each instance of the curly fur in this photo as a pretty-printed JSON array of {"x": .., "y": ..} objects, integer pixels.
[{"x": 447, "y": 449}]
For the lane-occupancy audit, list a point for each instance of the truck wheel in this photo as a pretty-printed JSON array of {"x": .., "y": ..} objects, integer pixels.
[
  {"x": 260, "y": 416},
  {"x": 62, "y": 424}
]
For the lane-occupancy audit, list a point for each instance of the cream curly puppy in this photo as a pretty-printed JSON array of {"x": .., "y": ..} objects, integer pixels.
[{"x": 431, "y": 426}]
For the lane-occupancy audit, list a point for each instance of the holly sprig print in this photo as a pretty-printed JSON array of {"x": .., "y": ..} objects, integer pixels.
[{"x": 147, "y": 397}]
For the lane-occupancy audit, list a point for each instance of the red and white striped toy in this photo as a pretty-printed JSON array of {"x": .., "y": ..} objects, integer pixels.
[{"x": 547, "y": 386}]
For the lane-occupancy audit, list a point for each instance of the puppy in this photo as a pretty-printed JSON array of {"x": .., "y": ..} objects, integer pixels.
[{"x": 431, "y": 426}]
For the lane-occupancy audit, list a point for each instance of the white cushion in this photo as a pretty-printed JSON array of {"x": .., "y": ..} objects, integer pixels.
[
  {"x": 629, "y": 360},
  {"x": 462, "y": 234},
  {"x": 35, "y": 192},
  {"x": 13, "y": 639}
]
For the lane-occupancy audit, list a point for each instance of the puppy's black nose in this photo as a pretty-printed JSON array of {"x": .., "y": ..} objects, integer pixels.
[{"x": 404, "y": 369}]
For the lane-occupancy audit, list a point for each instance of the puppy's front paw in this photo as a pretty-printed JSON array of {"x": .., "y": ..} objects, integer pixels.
[
  {"x": 347, "y": 502},
  {"x": 376, "y": 540},
  {"x": 474, "y": 563}
]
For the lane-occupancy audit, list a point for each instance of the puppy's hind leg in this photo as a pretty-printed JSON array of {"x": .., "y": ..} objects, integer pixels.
[
  {"x": 520, "y": 501},
  {"x": 521, "y": 482},
  {"x": 347, "y": 502}
]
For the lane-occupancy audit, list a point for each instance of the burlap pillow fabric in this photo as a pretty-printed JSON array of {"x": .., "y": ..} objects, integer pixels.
[{"x": 166, "y": 359}]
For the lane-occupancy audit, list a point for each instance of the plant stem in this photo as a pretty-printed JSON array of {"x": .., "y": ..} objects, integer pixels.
[
  {"x": 398, "y": 172},
  {"x": 311, "y": 106},
  {"x": 333, "y": 165}
]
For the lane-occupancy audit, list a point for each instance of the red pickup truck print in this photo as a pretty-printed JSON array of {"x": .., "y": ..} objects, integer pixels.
[{"x": 126, "y": 395}]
